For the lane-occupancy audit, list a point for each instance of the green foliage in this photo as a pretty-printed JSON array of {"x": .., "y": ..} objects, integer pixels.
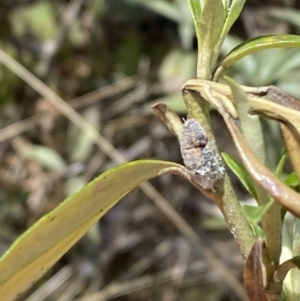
[
  {"x": 239, "y": 170},
  {"x": 54, "y": 234},
  {"x": 50, "y": 238},
  {"x": 38, "y": 18},
  {"x": 255, "y": 45},
  {"x": 292, "y": 180},
  {"x": 255, "y": 214}
]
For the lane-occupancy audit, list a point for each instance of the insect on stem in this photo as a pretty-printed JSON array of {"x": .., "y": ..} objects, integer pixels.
[{"x": 199, "y": 156}]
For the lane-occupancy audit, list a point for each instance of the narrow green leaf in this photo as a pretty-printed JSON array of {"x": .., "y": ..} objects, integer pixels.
[
  {"x": 80, "y": 144},
  {"x": 53, "y": 235},
  {"x": 211, "y": 26},
  {"x": 280, "y": 164},
  {"x": 290, "y": 15},
  {"x": 239, "y": 170},
  {"x": 292, "y": 180},
  {"x": 257, "y": 230},
  {"x": 250, "y": 123},
  {"x": 195, "y": 7},
  {"x": 253, "y": 133},
  {"x": 255, "y": 45},
  {"x": 255, "y": 213},
  {"x": 232, "y": 15},
  {"x": 45, "y": 156}
]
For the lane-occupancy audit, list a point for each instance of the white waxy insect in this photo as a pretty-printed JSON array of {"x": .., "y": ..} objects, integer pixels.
[{"x": 199, "y": 156}]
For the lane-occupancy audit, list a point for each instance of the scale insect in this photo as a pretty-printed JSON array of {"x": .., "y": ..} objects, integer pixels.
[{"x": 199, "y": 156}]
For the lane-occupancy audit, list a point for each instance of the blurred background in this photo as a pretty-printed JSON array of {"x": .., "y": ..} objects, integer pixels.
[{"x": 110, "y": 61}]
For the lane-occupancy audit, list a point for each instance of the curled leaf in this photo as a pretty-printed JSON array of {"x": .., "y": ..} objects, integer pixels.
[
  {"x": 169, "y": 118},
  {"x": 255, "y": 45},
  {"x": 212, "y": 92},
  {"x": 220, "y": 96},
  {"x": 32, "y": 254},
  {"x": 262, "y": 175}
]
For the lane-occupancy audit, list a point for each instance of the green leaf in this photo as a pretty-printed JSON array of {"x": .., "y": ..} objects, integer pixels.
[
  {"x": 257, "y": 230},
  {"x": 174, "y": 75},
  {"x": 232, "y": 15},
  {"x": 292, "y": 180},
  {"x": 38, "y": 19},
  {"x": 254, "y": 214},
  {"x": 211, "y": 26},
  {"x": 239, "y": 170},
  {"x": 255, "y": 45},
  {"x": 53, "y": 235},
  {"x": 195, "y": 8},
  {"x": 252, "y": 131},
  {"x": 280, "y": 164},
  {"x": 45, "y": 156},
  {"x": 290, "y": 15},
  {"x": 80, "y": 144},
  {"x": 250, "y": 123}
]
